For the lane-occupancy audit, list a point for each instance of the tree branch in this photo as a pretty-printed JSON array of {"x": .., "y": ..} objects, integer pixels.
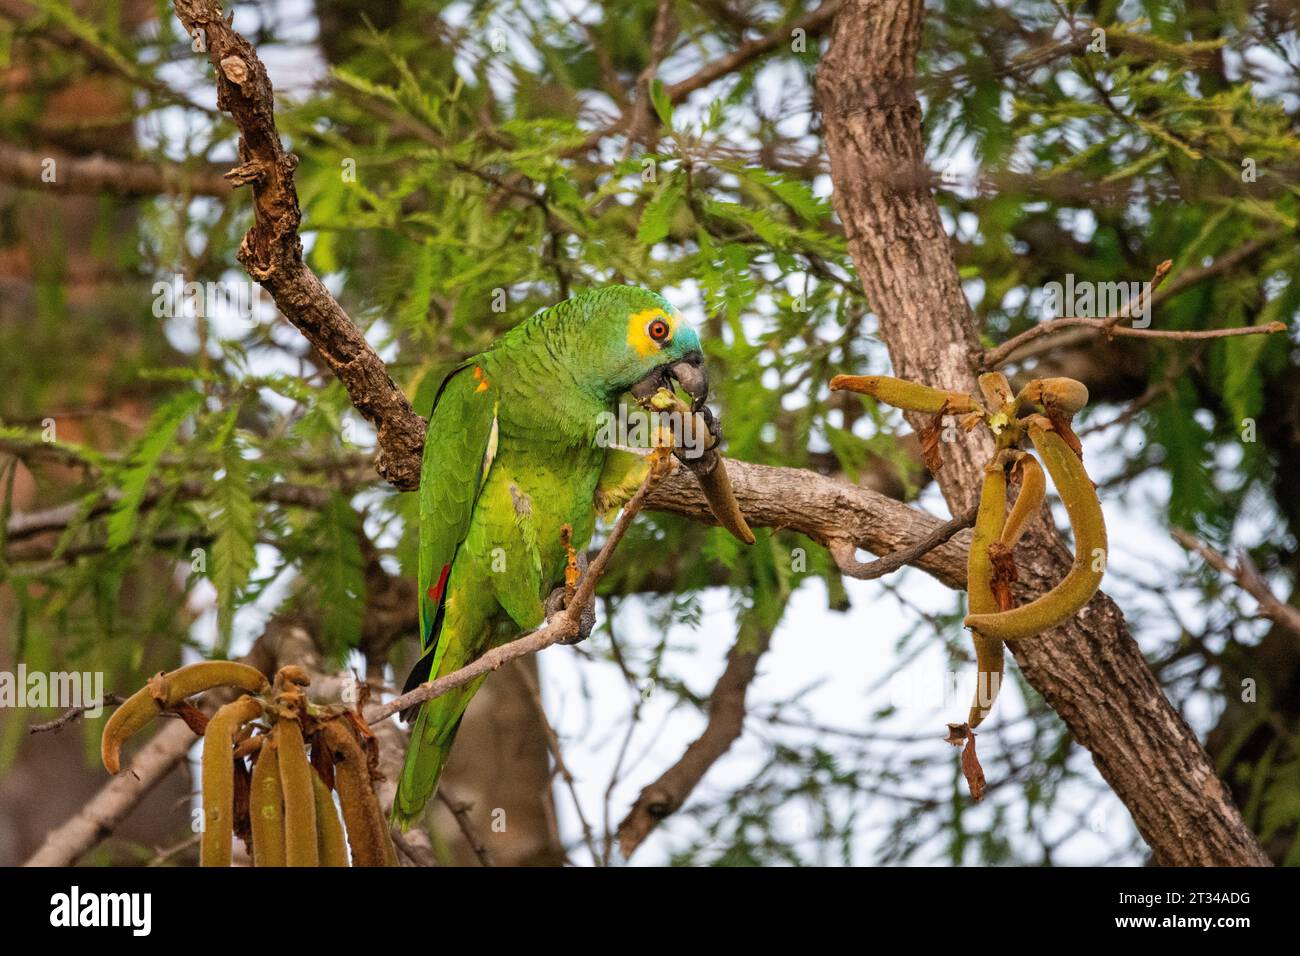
[
  {"x": 829, "y": 511},
  {"x": 460, "y": 810},
  {"x": 272, "y": 252},
  {"x": 73, "y": 714},
  {"x": 811, "y": 23},
  {"x": 1248, "y": 579},
  {"x": 842, "y": 550},
  {"x": 1014, "y": 348},
  {"x": 66, "y": 844},
  {"x": 98, "y": 174},
  {"x": 726, "y": 721}
]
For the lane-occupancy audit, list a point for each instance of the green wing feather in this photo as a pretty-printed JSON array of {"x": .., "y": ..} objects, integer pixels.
[{"x": 458, "y": 451}]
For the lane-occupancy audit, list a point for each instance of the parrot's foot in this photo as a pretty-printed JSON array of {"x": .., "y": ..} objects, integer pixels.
[
  {"x": 712, "y": 424},
  {"x": 559, "y": 598}
]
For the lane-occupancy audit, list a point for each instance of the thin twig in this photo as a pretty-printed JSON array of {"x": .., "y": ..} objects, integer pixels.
[
  {"x": 460, "y": 810},
  {"x": 165, "y": 854},
  {"x": 1110, "y": 326},
  {"x": 666, "y": 795},
  {"x": 561, "y": 767},
  {"x": 73, "y": 714},
  {"x": 843, "y": 550},
  {"x": 419, "y": 855},
  {"x": 811, "y": 23}
]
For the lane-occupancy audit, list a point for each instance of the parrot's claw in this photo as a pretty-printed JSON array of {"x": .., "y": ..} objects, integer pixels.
[
  {"x": 586, "y": 620},
  {"x": 558, "y": 599},
  {"x": 714, "y": 426}
]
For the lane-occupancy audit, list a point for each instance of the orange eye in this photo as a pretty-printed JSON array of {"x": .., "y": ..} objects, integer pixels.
[{"x": 657, "y": 330}]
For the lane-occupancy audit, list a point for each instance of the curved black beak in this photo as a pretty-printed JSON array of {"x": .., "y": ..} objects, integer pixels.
[
  {"x": 692, "y": 377},
  {"x": 688, "y": 372}
]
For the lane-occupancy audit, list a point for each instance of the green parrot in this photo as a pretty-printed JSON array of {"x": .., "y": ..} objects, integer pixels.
[{"x": 513, "y": 453}]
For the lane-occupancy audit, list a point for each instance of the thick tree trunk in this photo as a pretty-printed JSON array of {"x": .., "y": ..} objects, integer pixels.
[{"x": 1090, "y": 670}]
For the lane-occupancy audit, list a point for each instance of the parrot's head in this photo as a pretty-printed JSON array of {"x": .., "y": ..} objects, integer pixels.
[{"x": 644, "y": 344}]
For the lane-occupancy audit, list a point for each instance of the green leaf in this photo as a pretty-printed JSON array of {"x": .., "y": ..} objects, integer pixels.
[
  {"x": 1243, "y": 386},
  {"x": 335, "y": 568},
  {"x": 143, "y": 462},
  {"x": 662, "y": 104},
  {"x": 657, "y": 217},
  {"x": 234, "y": 528}
]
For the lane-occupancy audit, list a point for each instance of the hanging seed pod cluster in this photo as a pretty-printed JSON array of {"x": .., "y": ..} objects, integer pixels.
[
  {"x": 272, "y": 762},
  {"x": 1041, "y": 413}
]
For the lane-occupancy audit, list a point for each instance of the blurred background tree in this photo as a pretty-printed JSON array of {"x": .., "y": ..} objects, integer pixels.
[{"x": 463, "y": 165}]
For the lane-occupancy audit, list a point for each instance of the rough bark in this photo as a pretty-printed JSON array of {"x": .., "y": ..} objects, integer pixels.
[
  {"x": 1090, "y": 670},
  {"x": 272, "y": 251}
]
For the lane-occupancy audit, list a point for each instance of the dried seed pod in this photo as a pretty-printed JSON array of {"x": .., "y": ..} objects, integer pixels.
[
  {"x": 1084, "y": 577},
  {"x": 711, "y": 473},
  {"x": 996, "y": 389},
  {"x": 168, "y": 690},
  {"x": 329, "y": 830},
  {"x": 299, "y": 802},
  {"x": 906, "y": 395},
  {"x": 367, "y": 829},
  {"x": 708, "y": 467},
  {"x": 979, "y": 587},
  {"x": 1064, "y": 395},
  {"x": 266, "y": 806},
  {"x": 219, "y": 779},
  {"x": 1033, "y": 488}
]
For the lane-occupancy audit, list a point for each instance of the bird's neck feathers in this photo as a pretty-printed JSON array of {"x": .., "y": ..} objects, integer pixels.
[{"x": 546, "y": 370}]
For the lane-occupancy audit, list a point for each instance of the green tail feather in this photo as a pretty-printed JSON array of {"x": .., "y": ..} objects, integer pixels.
[{"x": 431, "y": 739}]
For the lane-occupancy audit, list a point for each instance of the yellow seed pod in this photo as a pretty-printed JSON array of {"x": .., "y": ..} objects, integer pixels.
[
  {"x": 1033, "y": 488},
  {"x": 1084, "y": 577},
  {"x": 329, "y": 830},
  {"x": 1060, "y": 394},
  {"x": 906, "y": 395},
  {"x": 167, "y": 690},
  {"x": 979, "y": 587},
  {"x": 299, "y": 801},
  {"x": 219, "y": 779},
  {"x": 266, "y": 806}
]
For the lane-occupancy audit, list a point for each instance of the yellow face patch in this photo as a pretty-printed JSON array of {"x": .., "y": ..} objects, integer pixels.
[{"x": 639, "y": 338}]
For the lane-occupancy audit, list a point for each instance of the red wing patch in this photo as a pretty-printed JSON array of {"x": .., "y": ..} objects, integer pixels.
[{"x": 435, "y": 590}]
